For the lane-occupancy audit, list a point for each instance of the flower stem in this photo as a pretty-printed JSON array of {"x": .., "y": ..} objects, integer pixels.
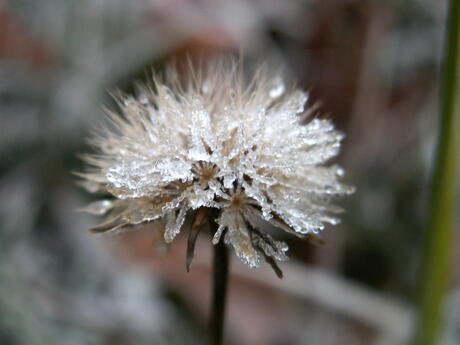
[
  {"x": 439, "y": 235},
  {"x": 220, "y": 280}
]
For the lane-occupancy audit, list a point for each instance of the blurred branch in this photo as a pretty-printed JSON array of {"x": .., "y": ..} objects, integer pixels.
[{"x": 439, "y": 235}]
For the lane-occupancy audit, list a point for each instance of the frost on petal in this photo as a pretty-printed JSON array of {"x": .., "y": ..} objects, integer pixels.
[
  {"x": 239, "y": 237},
  {"x": 140, "y": 211},
  {"x": 137, "y": 178},
  {"x": 271, "y": 247},
  {"x": 218, "y": 234},
  {"x": 202, "y": 140},
  {"x": 174, "y": 223},
  {"x": 293, "y": 104}
]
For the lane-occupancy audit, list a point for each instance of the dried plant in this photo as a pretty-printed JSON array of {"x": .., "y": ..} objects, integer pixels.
[{"x": 218, "y": 144}]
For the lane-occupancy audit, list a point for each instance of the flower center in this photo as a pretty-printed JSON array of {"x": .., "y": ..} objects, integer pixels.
[
  {"x": 205, "y": 171},
  {"x": 238, "y": 200}
]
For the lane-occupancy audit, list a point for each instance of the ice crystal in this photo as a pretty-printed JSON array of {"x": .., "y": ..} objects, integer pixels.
[{"x": 219, "y": 141}]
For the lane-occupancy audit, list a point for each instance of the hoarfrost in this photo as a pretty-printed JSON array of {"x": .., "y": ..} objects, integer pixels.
[{"x": 219, "y": 142}]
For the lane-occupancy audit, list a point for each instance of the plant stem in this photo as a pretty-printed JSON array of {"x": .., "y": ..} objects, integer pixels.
[
  {"x": 220, "y": 280},
  {"x": 439, "y": 235}
]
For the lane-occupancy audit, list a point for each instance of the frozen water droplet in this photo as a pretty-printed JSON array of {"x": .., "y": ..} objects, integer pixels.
[
  {"x": 128, "y": 102},
  {"x": 334, "y": 221},
  {"x": 277, "y": 90},
  {"x": 143, "y": 99},
  {"x": 205, "y": 87},
  {"x": 98, "y": 207},
  {"x": 90, "y": 186}
]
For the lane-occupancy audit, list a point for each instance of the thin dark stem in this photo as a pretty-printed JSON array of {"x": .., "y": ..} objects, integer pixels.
[{"x": 220, "y": 280}]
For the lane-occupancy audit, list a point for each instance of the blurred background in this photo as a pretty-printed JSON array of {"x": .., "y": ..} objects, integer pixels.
[{"x": 372, "y": 66}]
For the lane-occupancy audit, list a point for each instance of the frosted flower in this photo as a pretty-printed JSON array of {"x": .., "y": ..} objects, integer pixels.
[{"x": 218, "y": 145}]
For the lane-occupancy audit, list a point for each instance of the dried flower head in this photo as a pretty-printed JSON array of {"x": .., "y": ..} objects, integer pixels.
[{"x": 218, "y": 144}]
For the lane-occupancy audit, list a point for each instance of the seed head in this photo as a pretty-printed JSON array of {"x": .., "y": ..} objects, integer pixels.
[{"x": 245, "y": 149}]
